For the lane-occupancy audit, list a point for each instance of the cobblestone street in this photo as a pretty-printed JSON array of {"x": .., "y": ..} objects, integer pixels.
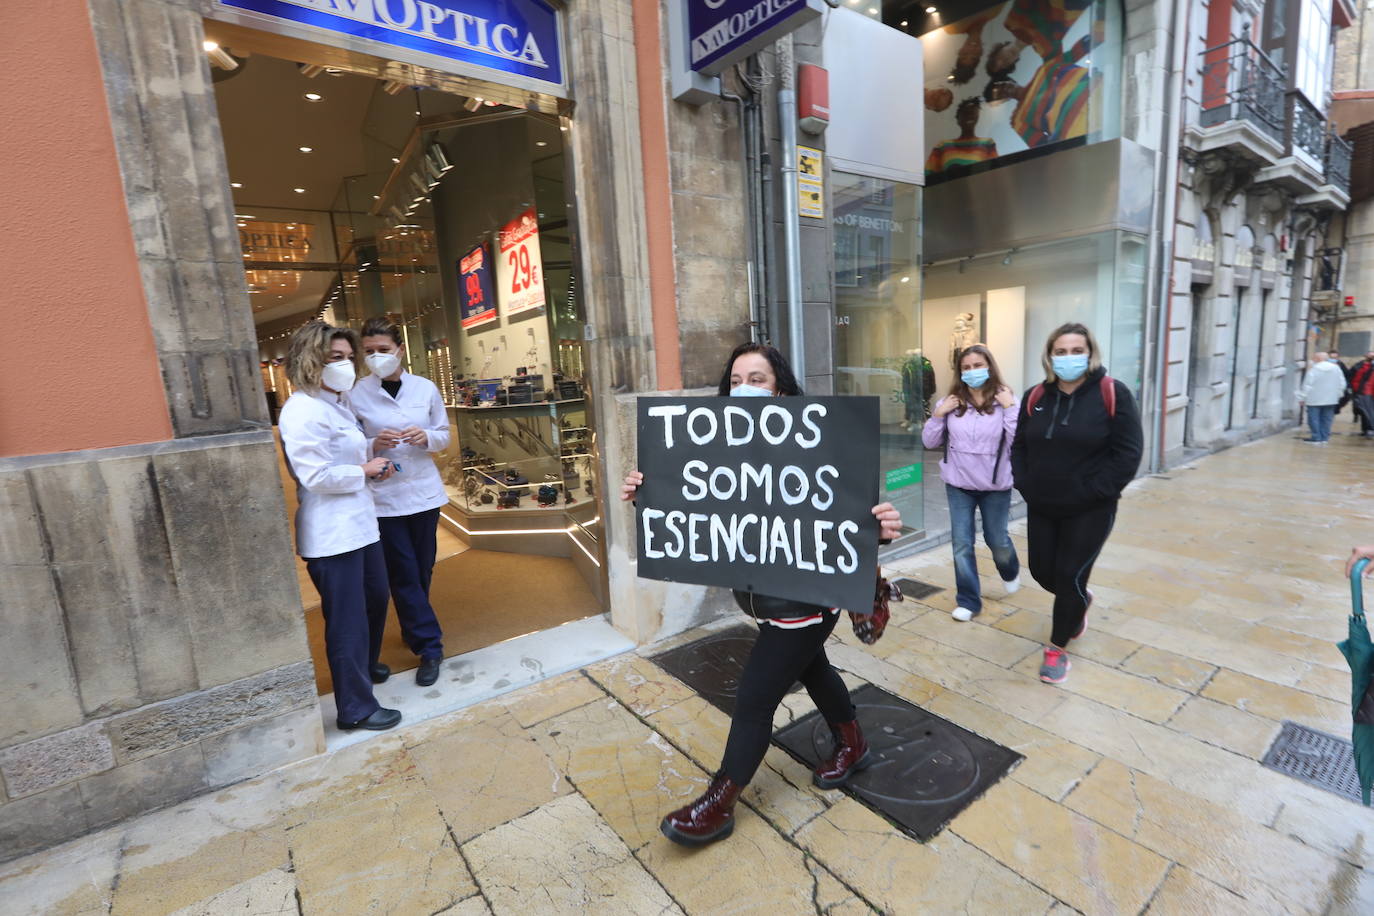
[{"x": 1219, "y": 600}]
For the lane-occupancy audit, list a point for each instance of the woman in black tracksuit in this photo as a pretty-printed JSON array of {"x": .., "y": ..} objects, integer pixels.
[
  {"x": 790, "y": 648},
  {"x": 1078, "y": 443}
]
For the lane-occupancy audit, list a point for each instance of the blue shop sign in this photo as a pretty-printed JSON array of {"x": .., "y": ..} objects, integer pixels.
[
  {"x": 720, "y": 32},
  {"x": 519, "y": 37}
]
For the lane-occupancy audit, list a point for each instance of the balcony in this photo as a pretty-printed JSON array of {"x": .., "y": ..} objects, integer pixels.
[
  {"x": 1315, "y": 166},
  {"x": 1242, "y": 104}
]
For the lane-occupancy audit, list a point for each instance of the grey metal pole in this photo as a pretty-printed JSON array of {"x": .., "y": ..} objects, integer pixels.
[{"x": 791, "y": 233}]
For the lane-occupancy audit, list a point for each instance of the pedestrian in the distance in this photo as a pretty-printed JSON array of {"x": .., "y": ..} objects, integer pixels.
[
  {"x": 336, "y": 524},
  {"x": 403, "y": 417},
  {"x": 1078, "y": 443},
  {"x": 790, "y": 648},
  {"x": 976, "y": 423},
  {"x": 1362, "y": 392},
  {"x": 1321, "y": 391}
]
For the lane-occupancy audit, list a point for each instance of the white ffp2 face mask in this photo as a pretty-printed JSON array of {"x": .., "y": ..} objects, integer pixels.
[
  {"x": 383, "y": 364},
  {"x": 339, "y": 376},
  {"x": 750, "y": 391}
]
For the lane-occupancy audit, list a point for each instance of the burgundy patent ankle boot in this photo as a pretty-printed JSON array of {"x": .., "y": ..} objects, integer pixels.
[
  {"x": 851, "y": 755},
  {"x": 711, "y": 817}
]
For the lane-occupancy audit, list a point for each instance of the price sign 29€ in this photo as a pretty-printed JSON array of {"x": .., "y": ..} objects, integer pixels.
[{"x": 519, "y": 268}]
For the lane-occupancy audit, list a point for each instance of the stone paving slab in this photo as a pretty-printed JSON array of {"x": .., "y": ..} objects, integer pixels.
[{"x": 1217, "y": 603}]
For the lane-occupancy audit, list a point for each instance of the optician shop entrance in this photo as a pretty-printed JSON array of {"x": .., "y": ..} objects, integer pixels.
[{"x": 437, "y": 196}]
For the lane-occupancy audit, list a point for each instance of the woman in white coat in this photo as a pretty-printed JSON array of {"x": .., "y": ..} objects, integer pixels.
[
  {"x": 336, "y": 524},
  {"x": 404, "y": 417}
]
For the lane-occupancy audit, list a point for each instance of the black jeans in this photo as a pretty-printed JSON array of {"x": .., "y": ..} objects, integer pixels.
[
  {"x": 1062, "y": 553},
  {"x": 778, "y": 660}
]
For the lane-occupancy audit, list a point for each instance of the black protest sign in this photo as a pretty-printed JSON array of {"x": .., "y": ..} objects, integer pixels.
[{"x": 766, "y": 495}]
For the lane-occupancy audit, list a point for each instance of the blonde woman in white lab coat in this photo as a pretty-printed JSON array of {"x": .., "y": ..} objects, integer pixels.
[
  {"x": 336, "y": 524},
  {"x": 404, "y": 418}
]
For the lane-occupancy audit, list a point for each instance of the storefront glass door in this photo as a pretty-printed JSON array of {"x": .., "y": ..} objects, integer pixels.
[{"x": 878, "y": 349}]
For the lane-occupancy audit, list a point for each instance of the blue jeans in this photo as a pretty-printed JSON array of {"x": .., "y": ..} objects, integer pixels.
[
  {"x": 353, "y": 596},
  {"x": 1319, "y": 421},
  {"x": 995, "y": 506}
]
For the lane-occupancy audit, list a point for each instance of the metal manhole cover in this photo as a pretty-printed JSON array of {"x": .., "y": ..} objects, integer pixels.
[
  {"x": 925, "y": 769},
  {"x": 1316, "y": 758},
  {"x": 914, "y": 588},
  {"x": 712, "y": 666}
]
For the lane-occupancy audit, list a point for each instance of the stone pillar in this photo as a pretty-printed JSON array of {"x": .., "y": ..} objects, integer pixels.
[{"x": 152, "y": 644}]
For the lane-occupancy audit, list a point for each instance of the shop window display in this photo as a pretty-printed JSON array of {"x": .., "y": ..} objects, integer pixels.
[
  {"x": 451, "y": 215},
  {"x": 878, "y": 349}
]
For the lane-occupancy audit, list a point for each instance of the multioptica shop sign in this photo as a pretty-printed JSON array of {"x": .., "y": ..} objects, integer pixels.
[{"x": 721, "y": 32}]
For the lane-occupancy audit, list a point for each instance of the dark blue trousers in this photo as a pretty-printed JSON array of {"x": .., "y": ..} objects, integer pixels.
[
  {"x": 409, "y": 542},
  {"x": 353, "y": 596}
]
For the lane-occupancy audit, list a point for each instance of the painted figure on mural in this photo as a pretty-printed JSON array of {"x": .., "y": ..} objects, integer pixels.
[
  {"x": 971, "y": 52},
  {"x": 966, "y": 150},
  {"x": 1053, "y": 105}
]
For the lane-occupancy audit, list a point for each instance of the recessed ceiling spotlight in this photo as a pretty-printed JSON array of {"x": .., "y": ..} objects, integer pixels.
[
  {"x": 541, "y": 143},
  {"x": 395, "y": 160},
  {"x": 313, "y": 97},
  {"x": 299, "y": 190},
  {"x": 932, "y": 10},
  {"x": 376, "y": 197},
  {"x": 872, "y": 11},
  {"x": 903, "y": 23},
  {"x": 235, "y": 184},
  {"x": 306, "y": 149}
]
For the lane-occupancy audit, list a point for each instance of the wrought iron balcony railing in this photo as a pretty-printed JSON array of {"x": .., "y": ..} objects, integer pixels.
[
  {"x": 1337, "y": 162},
  {"x": 1240, "y": 82},
  {"x": 1306, "y": 127}
]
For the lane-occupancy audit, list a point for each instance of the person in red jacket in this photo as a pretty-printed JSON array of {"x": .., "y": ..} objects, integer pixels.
[{"x": 1362, "y": 391}]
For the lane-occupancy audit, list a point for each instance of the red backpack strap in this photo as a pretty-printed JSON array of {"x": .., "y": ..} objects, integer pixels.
[
  {"x": 1109, "y": 395},
  {"x": 1033, "y": 397}
]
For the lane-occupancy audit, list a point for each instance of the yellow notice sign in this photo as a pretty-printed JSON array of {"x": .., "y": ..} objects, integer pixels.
[{"x": 810, "y": 182}]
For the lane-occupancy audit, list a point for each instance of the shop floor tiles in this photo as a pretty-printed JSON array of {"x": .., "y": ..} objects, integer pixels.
[
  {"x": 915, "y": 588},
  {"x": 1316, "y": 758},
  {"x": 712, "y": 666},
  {"x": 924, "y": 769}
]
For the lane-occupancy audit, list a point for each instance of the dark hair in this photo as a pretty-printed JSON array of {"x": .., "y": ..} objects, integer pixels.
[
  {"x": 964, "y": 393},
  {"x": 787, "y": 382},
  {"x": 376, "y": 327},
  {"x": 972, "y": 102}
]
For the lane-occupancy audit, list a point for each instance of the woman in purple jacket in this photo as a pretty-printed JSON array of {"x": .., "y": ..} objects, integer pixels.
[{"x": 976, "y": 423}]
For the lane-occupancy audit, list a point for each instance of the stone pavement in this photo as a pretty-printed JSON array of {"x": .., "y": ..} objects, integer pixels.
[{"x": 1218, "y": 601}]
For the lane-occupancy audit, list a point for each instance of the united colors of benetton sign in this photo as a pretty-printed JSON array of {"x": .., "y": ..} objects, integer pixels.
[{"x": 519, "y": 37}]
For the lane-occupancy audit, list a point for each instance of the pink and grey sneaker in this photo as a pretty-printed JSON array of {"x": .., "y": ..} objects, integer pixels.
[
  {"x": 1055, "y": 668},
  {"x": 1084, "y": 628}
]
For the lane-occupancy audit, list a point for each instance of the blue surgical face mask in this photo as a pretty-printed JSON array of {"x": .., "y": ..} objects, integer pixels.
[
  {"x": 1070, "y": 368},
  {"x": 974, "y": 378},
  {"x": 749, "y": 391}
]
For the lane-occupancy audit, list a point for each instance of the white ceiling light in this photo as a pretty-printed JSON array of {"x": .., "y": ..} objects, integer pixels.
[
  {"x": 306, "y": 149},
  {"x": 235, "y": 184},
  {"x": 219, "y": 57},
  {"x": 541, "y": 143},
  {"x": 313, "y": 97},
  {"x": 299, "y": 190},
  {"x": 395, "y": 160}
]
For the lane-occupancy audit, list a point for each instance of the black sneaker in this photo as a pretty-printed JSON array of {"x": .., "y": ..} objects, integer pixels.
[{"x": 428, "y": 672}]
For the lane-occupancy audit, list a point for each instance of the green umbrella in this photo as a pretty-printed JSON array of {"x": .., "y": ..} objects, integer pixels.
[{"x": 1359, "y": 652}]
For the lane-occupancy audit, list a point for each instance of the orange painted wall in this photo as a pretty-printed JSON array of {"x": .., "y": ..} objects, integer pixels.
[{"x": 80, "y": 368}]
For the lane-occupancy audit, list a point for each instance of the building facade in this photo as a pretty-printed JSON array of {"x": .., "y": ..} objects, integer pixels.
[{"x": 563, "y": 218}]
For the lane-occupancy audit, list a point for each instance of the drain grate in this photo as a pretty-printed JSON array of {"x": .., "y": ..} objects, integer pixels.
[
  {"x": 914, "y": 588},
  {"x": 712, "y": 666},
  {"x": 1316, "y": 758},
  {"x": 925, "y": 769}
]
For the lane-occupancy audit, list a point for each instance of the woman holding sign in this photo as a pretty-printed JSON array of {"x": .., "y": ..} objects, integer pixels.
[
  {"x": 1078, "y": 443},
  {"x": 790, "y": 648},
  {"x": 976, "y": 423}
]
